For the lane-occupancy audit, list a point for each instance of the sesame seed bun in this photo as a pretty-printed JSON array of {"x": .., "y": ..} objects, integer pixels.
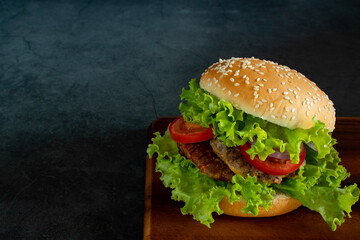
[
  {"x": 270, "y": 91},
  {"x": 281, "y": 204}
]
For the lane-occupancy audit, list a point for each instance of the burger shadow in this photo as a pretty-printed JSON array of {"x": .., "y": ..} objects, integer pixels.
[{"x": 87, "y": 187}]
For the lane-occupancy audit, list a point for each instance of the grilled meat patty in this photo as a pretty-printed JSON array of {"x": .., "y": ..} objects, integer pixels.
[
  {"x": 233, "y": 158},
  {"x": 202, "y": 155}
]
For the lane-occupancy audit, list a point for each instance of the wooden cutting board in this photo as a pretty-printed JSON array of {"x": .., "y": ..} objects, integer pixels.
[{"x": 163, "y": 219}]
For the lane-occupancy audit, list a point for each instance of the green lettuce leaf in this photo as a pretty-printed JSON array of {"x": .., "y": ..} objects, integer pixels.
[{"x": 318, "y": 187}]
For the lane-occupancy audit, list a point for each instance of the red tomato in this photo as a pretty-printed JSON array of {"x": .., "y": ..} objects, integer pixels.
[
  {"x": 187, "y": 132},
  {"x": 272, "y": 165}
]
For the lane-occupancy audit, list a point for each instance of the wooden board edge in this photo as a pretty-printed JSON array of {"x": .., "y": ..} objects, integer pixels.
[
  {"x": 148, "y": 187},
  {"x": 147, "y": 203}
]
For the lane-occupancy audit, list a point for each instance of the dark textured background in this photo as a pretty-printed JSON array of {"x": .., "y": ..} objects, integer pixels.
[{"x": 80, "y": 81}]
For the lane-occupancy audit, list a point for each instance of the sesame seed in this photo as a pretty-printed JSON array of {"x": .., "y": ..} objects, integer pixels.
[
  {"x": 271, "y": 104},
  {"x": 263, "y": 100},
  {"x": 244, "y": 77},
  {"x": 283, "y": 83},
  {"x": 307, "y": 113},
  {"x": 293, "y": 110},
  {"x": 287, "y": 98},
  {"x": 287, "y": 109},
  {"x": 264, "y": 80},
  {"x": 291, "y": 101},
  {"x": 229, "y": 93},
  {"x": 261, "y": 73},
  {"x": 283, "y": 116},
  {"x": 236, "y": 84},
  {"x": 285, "y": 93},
  {"x": 298, "y": 88},
  {"x": 274, "y": 89},
  {"x": 281, "y": 75},
  {"x": 223, "y": 88},
  {"x": 269, "y": 90},
  {"x": 319, "y": 109},
  {"x": 236, "y": 95},
  {"x": 261, "y": 85},
  {"x": 272, "y": 116},
  {"x": 232, "y": 80},
  {"x": 210, "y": 84},
  {"x": 256, "y": 88},
  {"x": 247, "y": 81},
  {"x": 293, "y": 117},
  {"x": 290, "y": 89},
  {"x": 256, "y": 96},
  {"x": 259, "y": 102},
  {"x": 208, "y": 80},
  {"x": 258, "y": 79},
  {"x": 257, "y": 105}
]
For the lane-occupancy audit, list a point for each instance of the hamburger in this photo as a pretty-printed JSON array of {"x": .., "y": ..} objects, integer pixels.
[{"x": 253, "y": 140}]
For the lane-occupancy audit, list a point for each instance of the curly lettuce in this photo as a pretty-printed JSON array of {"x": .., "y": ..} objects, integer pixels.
[{"x": 317, "y": 187}]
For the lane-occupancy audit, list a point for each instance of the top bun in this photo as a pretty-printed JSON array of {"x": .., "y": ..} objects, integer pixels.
[{"x": 270, "y": 91}]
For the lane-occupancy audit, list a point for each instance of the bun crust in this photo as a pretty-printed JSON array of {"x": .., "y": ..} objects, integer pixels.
[
  {"x": 281, "y": 204},
  {"x": 270, "y": 91}
]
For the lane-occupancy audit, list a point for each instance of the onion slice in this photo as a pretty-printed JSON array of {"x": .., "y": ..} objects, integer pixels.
[{"x": 312, "y": 145}]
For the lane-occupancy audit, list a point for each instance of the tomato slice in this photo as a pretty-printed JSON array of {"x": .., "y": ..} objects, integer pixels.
[
  {"x": 188, "y": 132},
  {"x": 272, "y": 165}
]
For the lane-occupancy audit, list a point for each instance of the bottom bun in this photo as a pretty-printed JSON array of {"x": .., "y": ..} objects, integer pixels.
[{"x": 281, "y": 204}]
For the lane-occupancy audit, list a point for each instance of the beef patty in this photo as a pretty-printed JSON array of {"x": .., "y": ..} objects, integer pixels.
[
  {"x": 202, "y": 155},
  {"x": 233, "y": 158},
  {"x": 220, "y": 162}
]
